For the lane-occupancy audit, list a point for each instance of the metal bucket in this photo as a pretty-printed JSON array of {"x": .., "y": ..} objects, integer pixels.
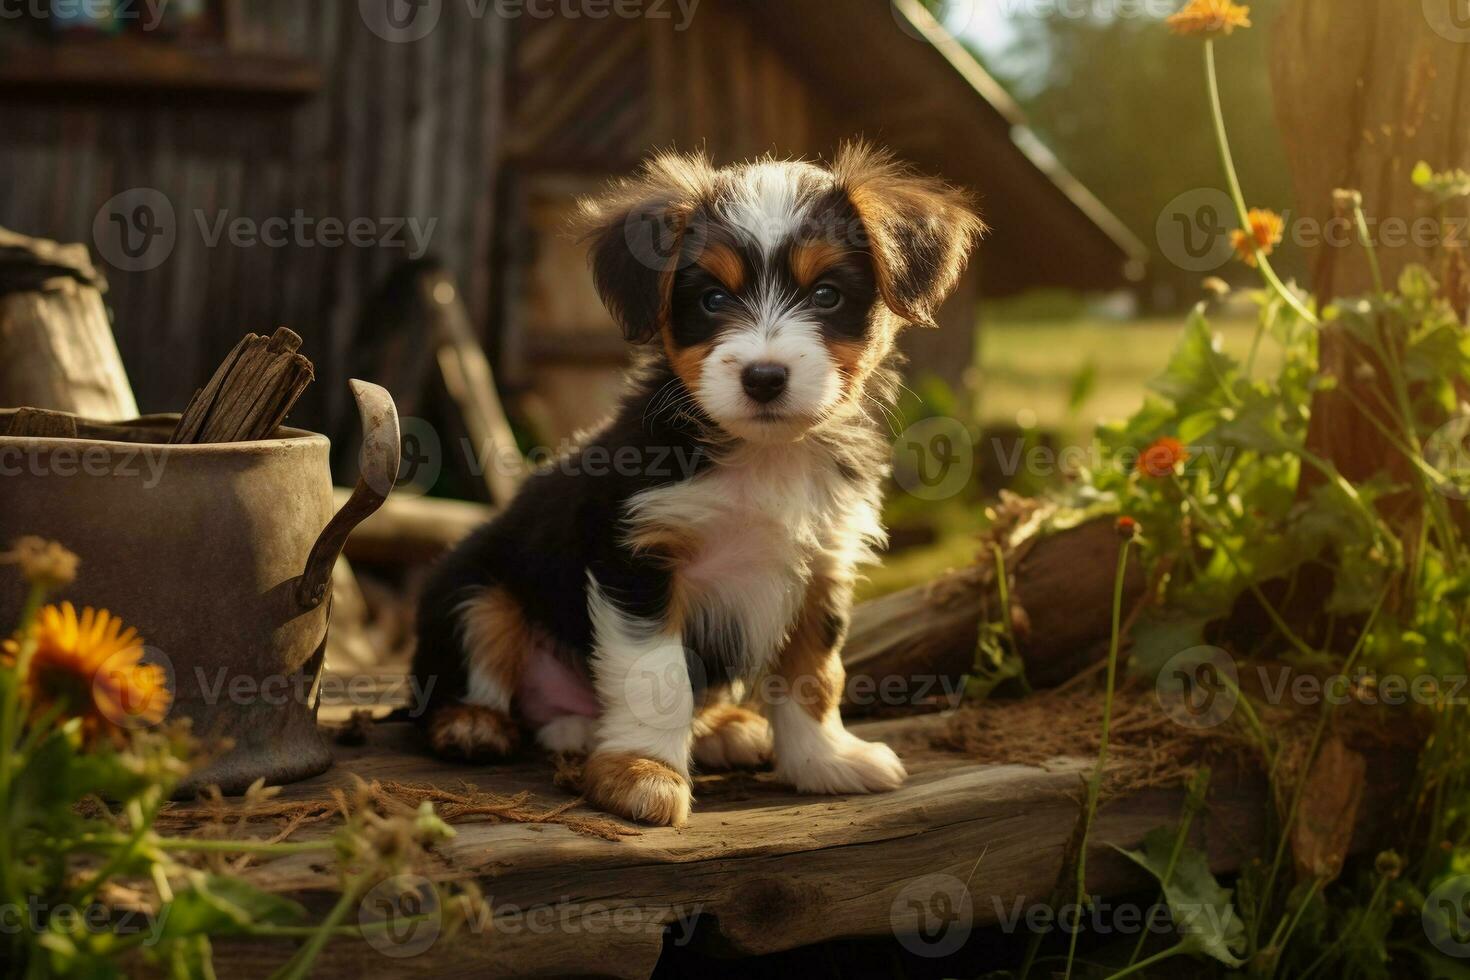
[{"x": 220, "y": 555}]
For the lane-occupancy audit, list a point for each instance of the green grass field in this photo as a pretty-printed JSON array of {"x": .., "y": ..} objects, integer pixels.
[
  {"x": 1060, "y": 376},
  {"x": 1066, "y": 376}
]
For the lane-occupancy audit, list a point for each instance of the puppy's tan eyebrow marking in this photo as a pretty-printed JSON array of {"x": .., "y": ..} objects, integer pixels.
[
  {"x": 810, "y": 259},
  {"x": 721, "y": 262}
]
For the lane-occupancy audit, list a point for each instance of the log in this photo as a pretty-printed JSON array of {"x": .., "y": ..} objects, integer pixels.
[
  {"x": 54, "y": 329},
  {"x": 250, "y": 394},
  {"x": 412, "y": 530},
  {"x": 1061, "y": 595}
]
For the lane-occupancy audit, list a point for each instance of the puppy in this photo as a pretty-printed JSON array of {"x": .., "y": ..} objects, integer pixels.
[{"x": 708, "y": 536}]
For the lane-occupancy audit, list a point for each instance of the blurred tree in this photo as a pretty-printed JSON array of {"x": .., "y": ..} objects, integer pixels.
[{"x": 1122, "y": 103}]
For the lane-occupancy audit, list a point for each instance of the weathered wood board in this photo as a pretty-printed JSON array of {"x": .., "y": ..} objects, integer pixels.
[{"x": 758, "y": 869}]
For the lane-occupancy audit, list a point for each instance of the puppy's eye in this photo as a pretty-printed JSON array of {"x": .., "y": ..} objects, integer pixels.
[
  {"x": 715, "y": 300},
  {"x": 826, "y": 297}
]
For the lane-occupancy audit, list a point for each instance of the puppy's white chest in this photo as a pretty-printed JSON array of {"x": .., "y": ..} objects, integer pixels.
[{"x": 753, "y": 534}]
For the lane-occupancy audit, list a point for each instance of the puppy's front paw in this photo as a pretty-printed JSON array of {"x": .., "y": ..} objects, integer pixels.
[
  {"x": 731, "y": 737},
  {"x": 843, "y": 763},
  {"x": 639, "y": 789}
]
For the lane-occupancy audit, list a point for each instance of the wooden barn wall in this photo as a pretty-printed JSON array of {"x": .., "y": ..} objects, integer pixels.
[
  {"x": 600, "y": 95},
  {"x": 397, "y": 130}
]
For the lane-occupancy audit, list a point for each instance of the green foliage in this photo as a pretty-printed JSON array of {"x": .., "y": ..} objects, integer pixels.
[
  {"x": 1201, "y": 908},
  {"x": 1443, "y": 187},
  {"x": 78, "y": 807}
]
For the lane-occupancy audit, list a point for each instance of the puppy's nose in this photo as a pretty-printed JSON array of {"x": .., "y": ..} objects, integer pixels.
[{"x": 764, "y": 382}]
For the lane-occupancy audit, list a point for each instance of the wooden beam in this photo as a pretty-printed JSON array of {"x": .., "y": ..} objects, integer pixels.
[
  {"x": 758, "y": 869},
  {"x": 111, "y": 68}
]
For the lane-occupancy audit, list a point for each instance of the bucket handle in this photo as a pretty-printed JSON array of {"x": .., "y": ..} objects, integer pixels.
[{"x": 379, "y": 470}]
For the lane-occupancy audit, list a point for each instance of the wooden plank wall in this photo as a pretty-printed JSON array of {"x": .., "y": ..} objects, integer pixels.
[{"x": 398, "y": 130}]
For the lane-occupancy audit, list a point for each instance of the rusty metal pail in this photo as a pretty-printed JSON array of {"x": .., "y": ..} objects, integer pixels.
[{"x": 219, "y": 554}]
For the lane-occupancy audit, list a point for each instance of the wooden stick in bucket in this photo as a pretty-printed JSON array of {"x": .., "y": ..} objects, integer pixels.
[{"x": 251, "y": 392}]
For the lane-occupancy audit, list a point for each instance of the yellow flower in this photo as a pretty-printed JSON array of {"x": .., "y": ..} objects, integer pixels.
[
  {"x": 1265, "y": 233},
  {"x": 44, "y": 563},
  {"x": 1209, "y": 17},
  {"x": 90, "y": 667}
]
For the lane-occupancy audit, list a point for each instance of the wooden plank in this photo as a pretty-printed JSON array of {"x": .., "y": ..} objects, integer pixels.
[
  {"x": 112, "y": 67},
  {"x": 762, "y": 868}
]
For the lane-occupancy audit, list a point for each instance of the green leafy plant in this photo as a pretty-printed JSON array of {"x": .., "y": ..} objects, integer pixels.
[
  {"x": 1356, "y": 577},
  {"x": 88, "y": 886}
]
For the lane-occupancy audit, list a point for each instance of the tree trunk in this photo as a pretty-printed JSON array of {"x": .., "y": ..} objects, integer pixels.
[{"x": 1365, "y": 90}]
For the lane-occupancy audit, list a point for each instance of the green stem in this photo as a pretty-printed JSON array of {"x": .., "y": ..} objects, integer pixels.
[
  {"x": 1227, "y": 161},
  {"x": 1094, "y": 785},
  {"x": 127, "y": 846},
  {"x": 1317, "y": 733},
  {"x": 1003, "y": 588},
  {"x": 1198, "y": 786},
  {"x": 1286, "y": 927},
  {"x": 214, "y": 846},
  {"x": 1373, "y": 902},
  {"x": 1263, "y": 321},
  {"x": 9, "y": 736},
  {"x": 299, "y": 966},
  {"x": 1368, "y": 247},
  {"x": 1280, "y": 623},
  {"x": 1153, "y": 960}
]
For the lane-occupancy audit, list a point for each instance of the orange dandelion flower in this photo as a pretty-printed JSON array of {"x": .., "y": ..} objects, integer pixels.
[
  {"x": 1265, "y": 234},
  {"x": 1162, "y": 458},
  {"x": 1127, "y": 527},
  {"x": 1209, "y": 17},
  {"x": 91, "y": 667}
]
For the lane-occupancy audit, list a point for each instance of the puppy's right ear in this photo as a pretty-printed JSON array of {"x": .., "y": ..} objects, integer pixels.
[{"x": 638, "y": 235}]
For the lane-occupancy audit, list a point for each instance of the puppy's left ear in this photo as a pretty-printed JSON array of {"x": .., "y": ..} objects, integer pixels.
[
  {"x": 920, "y": 230},
  {"x": 639, "y": 234}
]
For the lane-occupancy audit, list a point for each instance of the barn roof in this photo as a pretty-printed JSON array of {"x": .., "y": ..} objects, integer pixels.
[{"x": 933, "y": 103}]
